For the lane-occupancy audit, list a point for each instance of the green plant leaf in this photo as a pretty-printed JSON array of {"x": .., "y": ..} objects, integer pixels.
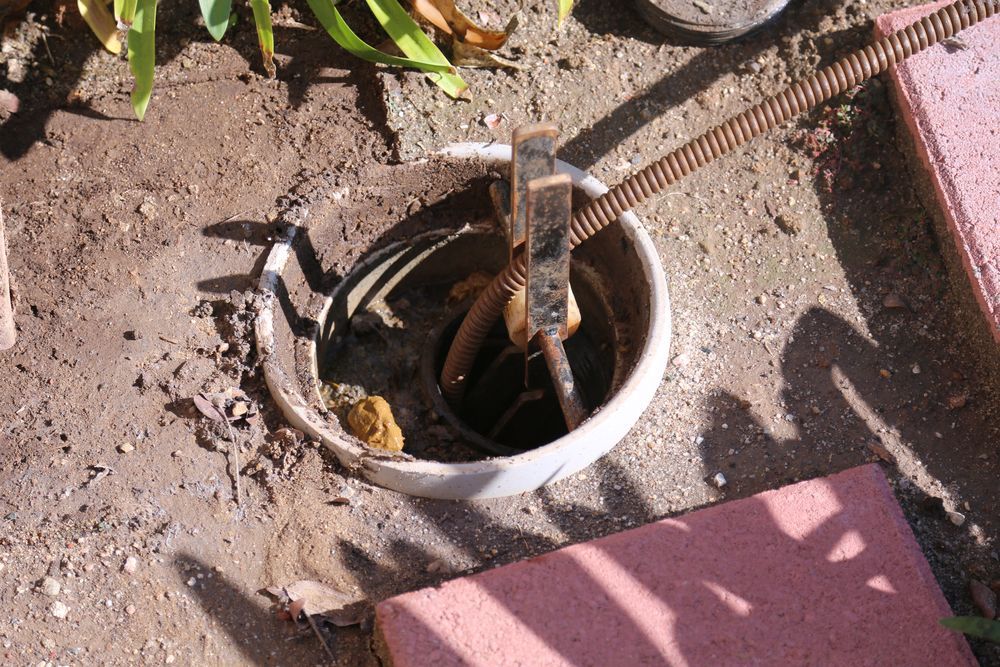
[
  {"x": 100, "y": 20},
  {"x": 216, "y": 14},
  {"x": 412, "y": 41},
  {"x": 974, "y": 626},
  {"x": 334, "y": 24},
  {"x": 125, "y": 12},
  {"x": 565, "y": 7},
  {"x": 265, "y": 35},
  {"x": 142, "y": 54}
]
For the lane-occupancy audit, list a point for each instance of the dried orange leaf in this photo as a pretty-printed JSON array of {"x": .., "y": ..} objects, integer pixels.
[
  {"x": 100, "y": 20},
  {"x": 445, "y": 16},
  {"x": 464, "y": 54}
]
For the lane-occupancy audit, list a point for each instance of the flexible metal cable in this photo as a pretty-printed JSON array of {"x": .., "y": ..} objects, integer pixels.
[{"x": 733, "y": 133}]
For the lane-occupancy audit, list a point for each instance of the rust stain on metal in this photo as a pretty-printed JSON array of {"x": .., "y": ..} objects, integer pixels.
[
  {"x": 533, "y": 155},
  {"x": 567, "y": 392}
]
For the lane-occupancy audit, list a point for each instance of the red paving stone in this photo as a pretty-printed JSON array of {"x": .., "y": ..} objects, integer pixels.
[
  {"x": 824, "y": 572},
  {"x": 949, "y": 98}
]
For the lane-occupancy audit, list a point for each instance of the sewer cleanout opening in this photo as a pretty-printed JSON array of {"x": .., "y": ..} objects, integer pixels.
[{"x": 388, "y": 326}]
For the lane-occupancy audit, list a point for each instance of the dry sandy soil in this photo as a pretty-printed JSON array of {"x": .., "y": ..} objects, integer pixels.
[{"x": 815, "y": 324}]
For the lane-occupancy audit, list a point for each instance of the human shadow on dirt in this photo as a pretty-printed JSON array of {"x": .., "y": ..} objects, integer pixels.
[
  {"x": 260, "y": 636},
  {"x": 696, "y": 75},
  {"x": 700, "y": 602},
  {"x": 898, "y": 380}
]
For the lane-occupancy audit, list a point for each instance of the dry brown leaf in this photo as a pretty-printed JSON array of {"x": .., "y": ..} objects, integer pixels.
[
  {"x": 233, "y": 403},
  {"x": 881, "y": 452},
  {"x": 445, "y": 16},
  {"x": 470, "y": 287},
  {"x": 464, "y": 54},
  {"x": 315, "y": 598}
]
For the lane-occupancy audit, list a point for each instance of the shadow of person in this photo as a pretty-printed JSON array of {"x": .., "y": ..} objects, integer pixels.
[
  {"x": 678, "y": 85},
  {"x": 257, "y": 634},
  {"x": 787, "y": 582}
]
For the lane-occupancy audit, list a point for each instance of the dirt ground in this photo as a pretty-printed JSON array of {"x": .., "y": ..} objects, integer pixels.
[{"x": 815, "y": 324}]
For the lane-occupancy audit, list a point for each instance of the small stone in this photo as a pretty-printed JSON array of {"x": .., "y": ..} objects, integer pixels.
[
  {"x": 957, "y": 401},
  {"x": 130, "y": 609},
  {"x": 956, "y": 518},
  {"x": 131, "y": 565},
  {"x": 680, "y": 360},
  {"x": 885, "y": 373},
  {"x": 916, "y": 369},
  {"x": 719, "y": 480},
  {"x": 50, "y": 587},
  {"x": 126, "y": 447},
  {"x": 192, "y": 581},
  {"x": 984, "y": 598},
  {"x": 754, "y": 66},
  {"x": 58, "y": 609},
  {"x": 787, "y": 224},
  {"x": 169, "y": 659},
  {"x": 893, "y": 300},
  {"x": 762, "y": 299},
  {"x": 49, "y": 643},
  {"x": 703, "y": 6},
  {"x": 147, "y": 208}
]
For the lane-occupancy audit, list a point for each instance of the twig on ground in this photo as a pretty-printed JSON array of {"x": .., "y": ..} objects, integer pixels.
[
  {"x": 7, "y": 332},
  {"x": 319, "y": 636},
  {"x": 235, "y": 450}
]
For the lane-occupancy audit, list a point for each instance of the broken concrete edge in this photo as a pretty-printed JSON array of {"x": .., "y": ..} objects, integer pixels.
[
  {"x": 409, "y": 643},
  {"x": 491, "y": 477},
  {"x": 964, "y": 236}
]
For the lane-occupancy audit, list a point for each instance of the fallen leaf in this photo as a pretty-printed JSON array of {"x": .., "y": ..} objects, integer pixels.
[
  {"x": 882, "y": 452},
  {"x": 492, "y": 120},
  {"x": 446, "y": 17},
  {"x": 98, "y": 472},
  {"x": 893, "y": 300},
  {"x": 296, "y": 607},
  {"x": 315, "y": 598},
  {"x": 467, "y": 55},
  {"x": 233, "y": 403},
  {"x": 471, "y": 287}
]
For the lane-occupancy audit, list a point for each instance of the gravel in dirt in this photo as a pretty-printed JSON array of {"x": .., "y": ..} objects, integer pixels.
[{"x": 134, "y": 250}]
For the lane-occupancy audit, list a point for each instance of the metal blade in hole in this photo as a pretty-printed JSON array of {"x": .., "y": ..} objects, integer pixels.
[{"x": 533, "y": 155}]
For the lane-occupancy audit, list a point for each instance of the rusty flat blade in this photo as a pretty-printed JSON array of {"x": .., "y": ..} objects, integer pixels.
[
  {"x": 533, "y": 155},
  {"x": 547, "y": 242}
]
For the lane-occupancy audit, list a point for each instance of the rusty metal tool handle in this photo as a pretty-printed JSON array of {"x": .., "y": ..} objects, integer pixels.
[
  {"x": 7, "y": 332},
  {"x": 549, "y": 208},
  {"x": 567, "y": 392}
]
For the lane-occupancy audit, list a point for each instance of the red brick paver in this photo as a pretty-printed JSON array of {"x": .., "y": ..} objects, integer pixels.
[
  {"x": 949, "y": 97},
  {"x": 824, "y": 572}
]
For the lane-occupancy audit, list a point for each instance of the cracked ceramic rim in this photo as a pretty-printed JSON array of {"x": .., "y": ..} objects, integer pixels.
[{"x": 494, "y": 477}]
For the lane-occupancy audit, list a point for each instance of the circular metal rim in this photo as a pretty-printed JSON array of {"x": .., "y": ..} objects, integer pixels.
[
  {"x": 696, "y": 35},
  {"x": 494, "y": 477}
]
